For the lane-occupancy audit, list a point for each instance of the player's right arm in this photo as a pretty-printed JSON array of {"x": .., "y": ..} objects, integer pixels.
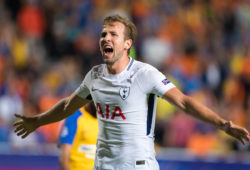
[{"x": 64, "y": 108}]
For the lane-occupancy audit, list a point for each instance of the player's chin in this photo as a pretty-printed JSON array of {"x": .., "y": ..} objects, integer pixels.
[{"x": 108, "y": 59}]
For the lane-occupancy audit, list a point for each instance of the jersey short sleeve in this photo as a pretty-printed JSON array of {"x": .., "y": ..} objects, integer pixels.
[
  {"x": 83, "y": 90},
  {"x": 153, "y": 81},
  {"x": 69, "y": 129}
]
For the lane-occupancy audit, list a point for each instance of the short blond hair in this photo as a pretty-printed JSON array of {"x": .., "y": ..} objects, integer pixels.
[{"x": 130, "y": 28}]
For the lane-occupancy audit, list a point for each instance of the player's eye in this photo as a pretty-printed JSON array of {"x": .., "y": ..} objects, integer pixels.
[{"x": 103, "y": 34}]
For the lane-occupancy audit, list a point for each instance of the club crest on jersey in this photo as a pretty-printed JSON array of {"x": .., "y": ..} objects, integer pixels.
[
  {"x": 124, "y": 92},
  {"x": 165, "y": 81}
]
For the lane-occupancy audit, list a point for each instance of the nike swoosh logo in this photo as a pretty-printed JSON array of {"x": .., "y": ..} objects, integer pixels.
[{"x": 93, "y": 89}]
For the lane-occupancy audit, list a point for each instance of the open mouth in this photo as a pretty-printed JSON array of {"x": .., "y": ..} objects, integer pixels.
[{"x": 108, "y": 51}]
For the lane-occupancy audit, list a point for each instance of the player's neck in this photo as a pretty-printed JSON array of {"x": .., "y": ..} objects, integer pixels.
[{"x": 119, "y": 65}]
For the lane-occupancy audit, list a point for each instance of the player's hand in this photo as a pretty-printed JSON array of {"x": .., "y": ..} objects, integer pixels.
[
  {"x": 236, "y": 131},
  {"x": 25, "y": 125}
]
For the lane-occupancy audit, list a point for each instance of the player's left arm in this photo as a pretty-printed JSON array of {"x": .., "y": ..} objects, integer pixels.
[{"x": 200, "y": 111}]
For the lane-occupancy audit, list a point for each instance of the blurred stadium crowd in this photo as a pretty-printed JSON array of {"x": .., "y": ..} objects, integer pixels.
[{"x": 203, "y": 46}]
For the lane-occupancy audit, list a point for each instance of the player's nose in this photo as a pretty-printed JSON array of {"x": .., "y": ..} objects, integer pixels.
[{"x": 107, "y": 38}]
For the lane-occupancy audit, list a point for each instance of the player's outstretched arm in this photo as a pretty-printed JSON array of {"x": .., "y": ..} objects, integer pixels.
[
  {"x": 200, "y": 111},
  {"x": 64, "y": 108}
]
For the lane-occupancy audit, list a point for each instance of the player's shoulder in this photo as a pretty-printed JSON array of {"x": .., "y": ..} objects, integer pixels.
[
  {"x": 97, "y": 70},
  {"x": 140, "y": 66}
]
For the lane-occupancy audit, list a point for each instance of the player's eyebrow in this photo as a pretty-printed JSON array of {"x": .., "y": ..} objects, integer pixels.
[
  {"x": 104, "y": 33},
  {"x": 113, "y": 32}
]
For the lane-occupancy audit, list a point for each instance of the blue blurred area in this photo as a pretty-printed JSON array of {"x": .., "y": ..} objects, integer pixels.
[
  {"x": 199, "y": 165},
  {"x": 50, "y": 162},
  {"x": 182, "y": 159},
  {"x": 29, "y": 162}
]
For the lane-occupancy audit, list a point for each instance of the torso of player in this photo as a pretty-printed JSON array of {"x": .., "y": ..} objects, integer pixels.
[
  {"x": 121, "y": 103},
  {"x": 125, "y": 110}
]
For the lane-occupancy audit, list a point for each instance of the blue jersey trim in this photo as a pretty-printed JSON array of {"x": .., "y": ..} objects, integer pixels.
[
  {"x": 150, "y": 112},
  {"x": 130, "y": 64},
  {"x": 71, "y": 125}
]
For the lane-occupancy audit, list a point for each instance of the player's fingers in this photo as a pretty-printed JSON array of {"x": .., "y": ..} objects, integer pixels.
[
  {"x": 241, "y": 130},
  {"x": 247, "y": 137},
  {"x": 21, "y": 132},
  {"x": 19, "y": 116},
  {"x": 242, "y": 140},
  {"x": 18, "y": 123},
  {"x": 25, "y": 135},
  {"x": 18, "y": 128},
  {"x": 245, "y": 132}
]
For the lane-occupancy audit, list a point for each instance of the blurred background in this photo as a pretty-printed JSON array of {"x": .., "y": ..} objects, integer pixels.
[{"x": 202, "y": 46}]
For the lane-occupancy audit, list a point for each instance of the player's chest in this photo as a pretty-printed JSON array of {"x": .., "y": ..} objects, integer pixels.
[
  {"x": 114, "y": 100},
  {"x": 112, "y": 92}
]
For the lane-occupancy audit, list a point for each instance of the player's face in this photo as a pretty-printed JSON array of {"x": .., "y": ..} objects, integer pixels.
[{"x": 112, "y": 42}]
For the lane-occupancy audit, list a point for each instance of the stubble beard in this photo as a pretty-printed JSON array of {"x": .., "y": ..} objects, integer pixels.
[{"x": 113, "y": 60}]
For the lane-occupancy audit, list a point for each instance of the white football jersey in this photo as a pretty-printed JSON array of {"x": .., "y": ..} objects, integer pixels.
[{"x": 125, "y": 105}]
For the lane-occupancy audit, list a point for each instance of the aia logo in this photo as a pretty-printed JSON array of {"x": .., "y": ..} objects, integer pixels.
[
  {"x": 124, "y": 92},
  {"x": 165, "y": 81},
  {"x": 108, "y": 114}
]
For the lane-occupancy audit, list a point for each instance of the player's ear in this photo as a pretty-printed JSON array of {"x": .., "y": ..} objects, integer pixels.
[{"x": 128, "y": 44}]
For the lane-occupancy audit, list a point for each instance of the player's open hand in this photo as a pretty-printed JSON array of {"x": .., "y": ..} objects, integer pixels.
[
  {"x": 25, "y": 125},
  {"x": 236, "y": 131}
]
